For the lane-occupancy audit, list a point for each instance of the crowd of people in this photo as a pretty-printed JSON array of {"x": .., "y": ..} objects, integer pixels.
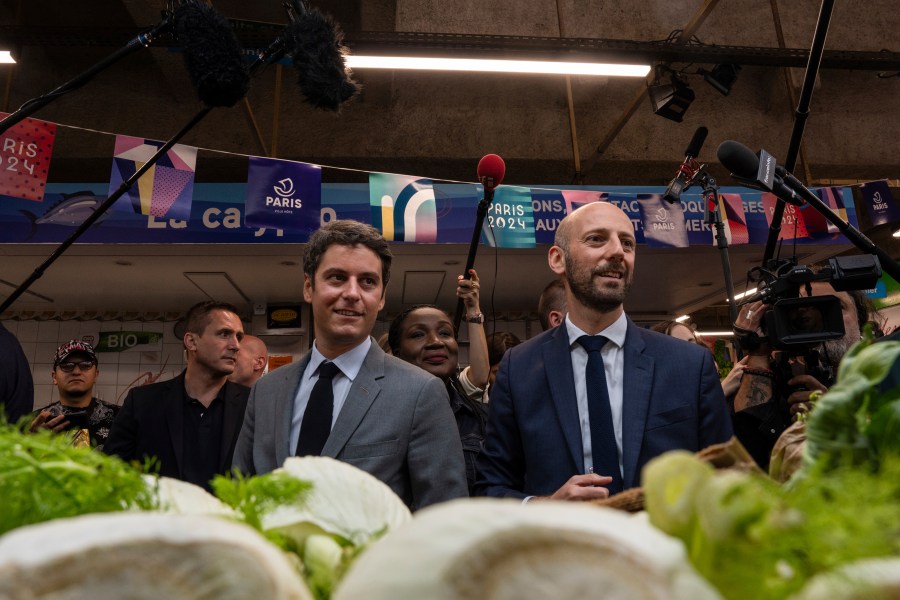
[{"x": 573, "y": 413}]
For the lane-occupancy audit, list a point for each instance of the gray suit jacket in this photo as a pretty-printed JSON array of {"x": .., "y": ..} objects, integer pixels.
[{"x": 396, "y": 424}]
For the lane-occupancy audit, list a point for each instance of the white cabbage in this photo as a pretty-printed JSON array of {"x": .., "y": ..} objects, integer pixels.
[
  {"x": 185, "y": 498},
  {"x": 345, "y": 501},
  {"x": 504, "y": 550},
  {"x": 870, "y": 579},
  {"x": 144, "y": 556}
]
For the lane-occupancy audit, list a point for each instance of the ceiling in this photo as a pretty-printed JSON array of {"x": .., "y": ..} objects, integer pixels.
[{"x": 547, "y": 128}]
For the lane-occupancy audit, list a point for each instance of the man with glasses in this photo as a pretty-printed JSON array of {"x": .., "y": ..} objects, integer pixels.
[{"x": 75, "y": 372}]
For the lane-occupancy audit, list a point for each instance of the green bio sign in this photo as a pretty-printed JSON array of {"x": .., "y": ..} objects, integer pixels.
[{"x": 123, "y": 341}]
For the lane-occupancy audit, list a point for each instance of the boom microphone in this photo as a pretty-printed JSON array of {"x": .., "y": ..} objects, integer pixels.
[
  {"x": 316, "y": 45},
  {"x": 212, "y": 54},
  {"x": 748, "y": 168},
  {"x": 688, "y": 169}
]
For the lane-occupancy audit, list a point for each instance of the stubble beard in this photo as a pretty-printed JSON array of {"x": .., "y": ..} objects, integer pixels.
[{"x": 581, "y": 282}]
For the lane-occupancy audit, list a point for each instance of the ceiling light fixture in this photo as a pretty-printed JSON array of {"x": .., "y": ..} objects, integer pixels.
[
  {"x": 671, "y": 100},
  {"x": 6, "y": 57},
  {"x": 355, "y": 61},
  {"x": 722, "y": 77},
  {"x": 715, "y": 333},
  {"x": 897, "y": 234},
  {"x": 682, "y": 318},
  {"x": 749, "y": 292}
]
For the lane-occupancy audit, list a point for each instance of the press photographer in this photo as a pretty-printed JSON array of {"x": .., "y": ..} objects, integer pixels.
[{"x": 794, "y": 332}]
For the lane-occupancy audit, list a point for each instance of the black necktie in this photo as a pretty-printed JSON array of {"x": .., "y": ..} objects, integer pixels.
[
  {"x": 604, "y": 451},
  {"x": 316, "y": 425}
]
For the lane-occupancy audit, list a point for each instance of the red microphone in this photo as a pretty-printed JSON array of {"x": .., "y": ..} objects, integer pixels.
[{"x": 491, "y": 170}]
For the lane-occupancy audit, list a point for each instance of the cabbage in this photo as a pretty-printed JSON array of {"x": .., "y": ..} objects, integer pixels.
[
  {"x": 181, "y": 497},
  {"x": 144, "y": 556},
  {"x": 871, "y": 579},
  {"x": 502, "y": 549}
]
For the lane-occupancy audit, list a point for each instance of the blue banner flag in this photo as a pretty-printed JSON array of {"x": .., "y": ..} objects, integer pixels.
[
  {"x": 510, "y": 219},
  {"x": 283, "y": 194},
  {"x": 663, "y": 222}
]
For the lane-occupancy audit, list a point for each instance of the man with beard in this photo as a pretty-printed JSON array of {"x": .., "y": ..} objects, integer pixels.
[
  {"x": 774, "y": 387},
  {"x": 189, "y": 424},
  {"x": 577, "y": 411}
]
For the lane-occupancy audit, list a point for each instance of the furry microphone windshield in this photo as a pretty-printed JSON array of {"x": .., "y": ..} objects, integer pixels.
[
  {"x": 315, "y": 43},
  {"x": 211, "y": 53}
]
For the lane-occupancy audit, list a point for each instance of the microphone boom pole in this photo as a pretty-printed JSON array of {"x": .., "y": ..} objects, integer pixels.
[
  {"x": 142, "y": 40},
  {"x": 800, "y": 116},
  {"x": 272, "y": 52},
  {"x": 483, "y": 206}
]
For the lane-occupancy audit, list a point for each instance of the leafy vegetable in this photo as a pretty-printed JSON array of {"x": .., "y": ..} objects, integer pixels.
[
  {"x": 181, "y": 497},
  {"x": 847, "y": 426},
  {"x": 43, "y": 477},
  {"x": 488, "y": 548},
  {"x": 145, "y": 556},
  {"x": 323, "y": 510},
  {"x": 755, "y": 540},
  {"x": 872, "y": 579}
]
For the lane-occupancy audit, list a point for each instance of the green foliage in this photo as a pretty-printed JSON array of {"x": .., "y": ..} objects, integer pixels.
[
  {"x": 755, "y": 540},
  {"x": 254, "y": 497},
  {"x": 723, "y": 359},
  {"x": 43, "y": 477}
]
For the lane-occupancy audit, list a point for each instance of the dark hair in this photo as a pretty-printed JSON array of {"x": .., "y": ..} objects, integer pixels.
[
  {"x": 198, "y": 316},
  {"x": 864, "y": 307},
  {"x": 395, "y": 332},
  {"x": 498, "y": 343},
  {"x": 552, "y": 298},
  {"x": 346, "y": 233},
  {"x": 667, "y": 326}
]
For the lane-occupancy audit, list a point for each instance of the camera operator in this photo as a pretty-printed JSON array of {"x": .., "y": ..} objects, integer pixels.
[{"x": 776, "y": 386}]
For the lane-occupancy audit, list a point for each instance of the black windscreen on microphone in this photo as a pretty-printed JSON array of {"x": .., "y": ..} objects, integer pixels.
[
  {"x": 315, "y": 43},
  {"x": 212, "y": 54},
  {"x": 738, "y": 158},
  {"x": 693, "y": 149}
]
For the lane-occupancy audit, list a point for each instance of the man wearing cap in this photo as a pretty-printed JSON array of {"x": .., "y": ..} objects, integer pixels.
[
  {"x": 189, "y": 424},
  {"x": 75, "y": 372}
]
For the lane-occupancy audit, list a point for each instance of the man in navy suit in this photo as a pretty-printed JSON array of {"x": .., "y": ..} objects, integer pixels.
[{"x": 661, "y": 393}]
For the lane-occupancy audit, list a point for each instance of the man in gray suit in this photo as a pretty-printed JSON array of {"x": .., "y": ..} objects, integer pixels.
[{"x": 388, "y": 417}]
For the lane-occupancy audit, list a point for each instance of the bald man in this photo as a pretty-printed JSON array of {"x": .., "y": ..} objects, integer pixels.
[
  {"x": 251, "y": 363},
  {"x": 577, "y": 411}
]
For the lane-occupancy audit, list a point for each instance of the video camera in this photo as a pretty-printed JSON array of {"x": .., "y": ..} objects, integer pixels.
[{"x": 797, "y": 323}]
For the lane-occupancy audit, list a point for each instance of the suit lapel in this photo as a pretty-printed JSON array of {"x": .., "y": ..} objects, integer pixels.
[
  {"x": 362, "y": 393},
  {"x": 558, "y": 366},
  {"x": 174, "y": 415},
  {"x": 638, "y": 382},
  {"x": 284, "y": 406}
]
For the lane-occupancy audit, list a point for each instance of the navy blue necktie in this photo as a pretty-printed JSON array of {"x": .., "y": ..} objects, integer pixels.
[
  {"x": 316, "y": 425},
  {"x": 604, "y": 451}
]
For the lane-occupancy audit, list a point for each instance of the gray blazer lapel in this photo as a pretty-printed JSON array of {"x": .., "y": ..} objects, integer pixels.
[
  {"x": 284, "y": 396},
  {"x": 638, "y": 382},
  {"x": 362, "y": 393},
  {"x": 558, "y": 366}
]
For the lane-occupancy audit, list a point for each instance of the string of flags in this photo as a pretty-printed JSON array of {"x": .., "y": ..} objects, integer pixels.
[{"x": 289, "y": 196}]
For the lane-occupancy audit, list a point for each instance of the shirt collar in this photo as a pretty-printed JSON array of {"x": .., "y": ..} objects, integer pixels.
[
  {"x": 614, "y": 333},
  {"x": 349, "y": 362}
]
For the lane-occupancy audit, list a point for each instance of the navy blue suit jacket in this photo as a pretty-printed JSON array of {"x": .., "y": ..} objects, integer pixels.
[{"x": 672, "y": 400}]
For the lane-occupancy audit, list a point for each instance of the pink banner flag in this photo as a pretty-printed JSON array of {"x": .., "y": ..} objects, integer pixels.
[
  {"x": 792, "y": 224},
  {"x": 25, "y": 151},
  {"x": 735, "y": 219}
]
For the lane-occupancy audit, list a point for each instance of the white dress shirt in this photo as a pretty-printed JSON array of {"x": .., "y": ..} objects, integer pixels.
[
  {"x": 349, "y": 363},
  {"x": 614, "y": 367}
]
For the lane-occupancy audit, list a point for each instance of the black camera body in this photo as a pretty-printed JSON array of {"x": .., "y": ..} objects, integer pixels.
[{"x": 796, "y": 323}]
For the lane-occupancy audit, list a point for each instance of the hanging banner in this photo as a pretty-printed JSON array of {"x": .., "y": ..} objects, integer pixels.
[
  {"x": 283, "y": 194},
  {"x": 879, "y": 202},
  {"x": 663, "y": 222},
  {"x": 735, "y": 219},
  {"x": 25, "y": 151},
  {"x": 166, "y": 189},
  {"x": 792, "y": 225},
  {"x": 510, "y": 220},
  {"x": 403, "y": 207}
]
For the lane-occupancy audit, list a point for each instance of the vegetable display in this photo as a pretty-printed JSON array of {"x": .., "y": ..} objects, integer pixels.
[
  {"x": 144, "y": 556},
  {"x": 488, "y": 548}
]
